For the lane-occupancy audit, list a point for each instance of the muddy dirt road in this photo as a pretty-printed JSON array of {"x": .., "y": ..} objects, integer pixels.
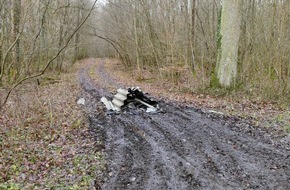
[{"x": 182, "y": 147}]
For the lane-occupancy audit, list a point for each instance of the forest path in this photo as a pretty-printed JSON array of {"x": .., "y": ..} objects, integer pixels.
[{"x": 182, "y": 147}]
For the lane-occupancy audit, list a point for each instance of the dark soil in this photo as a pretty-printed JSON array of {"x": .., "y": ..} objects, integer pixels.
[{"x": 182, "y": 147}]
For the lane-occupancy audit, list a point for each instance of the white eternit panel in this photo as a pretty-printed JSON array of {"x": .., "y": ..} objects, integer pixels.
[
  {"x": 123, "y": 91},
  {"x": 120, "y": 97}
]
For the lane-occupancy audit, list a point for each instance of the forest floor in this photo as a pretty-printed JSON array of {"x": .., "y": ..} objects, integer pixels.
[
  {"x": 45, "y": 141},
  {"x": 197, "y": 142}
]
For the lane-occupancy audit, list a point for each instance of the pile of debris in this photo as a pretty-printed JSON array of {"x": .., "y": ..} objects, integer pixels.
[{"x": 130, "y": 99}]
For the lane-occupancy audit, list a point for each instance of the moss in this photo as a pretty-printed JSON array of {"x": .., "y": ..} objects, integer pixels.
[{"x": 214, "y": 81}]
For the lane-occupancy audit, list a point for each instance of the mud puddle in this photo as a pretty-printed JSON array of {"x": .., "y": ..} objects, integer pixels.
[{"x": 182, "y": 148}]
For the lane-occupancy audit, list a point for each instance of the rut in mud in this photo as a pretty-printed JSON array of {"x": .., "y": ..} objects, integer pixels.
[{"x": 182, "y": 148}]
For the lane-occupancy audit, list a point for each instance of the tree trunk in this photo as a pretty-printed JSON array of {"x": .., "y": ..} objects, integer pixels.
[
  {"x": 230, "y": 32},
  {"x": 136, "y": 39},
  {"x": 62, "y": 23},
  {"x": 1, "y": 42},
  {"x": 192, "y": 43},
  {"x": 16, "y": 25},
  {"x": 77, "y": 37}
]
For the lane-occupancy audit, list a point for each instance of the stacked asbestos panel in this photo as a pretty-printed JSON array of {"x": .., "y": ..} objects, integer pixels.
[{"x": 118, "y": 100}]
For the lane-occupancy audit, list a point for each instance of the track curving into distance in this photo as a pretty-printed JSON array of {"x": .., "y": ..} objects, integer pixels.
[{"x": 182, "y": 147}]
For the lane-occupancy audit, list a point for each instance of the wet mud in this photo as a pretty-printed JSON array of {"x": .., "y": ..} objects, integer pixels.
[{"x": 182, "y": 147}]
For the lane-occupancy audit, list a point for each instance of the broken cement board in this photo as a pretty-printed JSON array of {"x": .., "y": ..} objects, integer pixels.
[
  {"x": 107, "y": 103},
  {"x": 117, "y": 102},
  {"x": 81, "y": 101},
  {"x": 133, "y": 95}
]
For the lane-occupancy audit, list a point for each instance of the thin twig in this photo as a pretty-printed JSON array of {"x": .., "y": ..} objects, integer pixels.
[{"x": 51, "y": 60}]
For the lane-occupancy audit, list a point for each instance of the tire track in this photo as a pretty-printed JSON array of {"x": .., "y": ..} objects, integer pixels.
[{"x": 183, "y": 148}]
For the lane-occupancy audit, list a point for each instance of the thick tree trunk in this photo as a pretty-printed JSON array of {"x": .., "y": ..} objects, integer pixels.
[{"x": 230, "y": 32}]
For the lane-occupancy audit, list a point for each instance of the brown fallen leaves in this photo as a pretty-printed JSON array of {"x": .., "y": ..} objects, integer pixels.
[{"x": 44, "y": 139}]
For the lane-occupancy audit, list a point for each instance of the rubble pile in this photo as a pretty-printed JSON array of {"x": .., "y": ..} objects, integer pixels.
[{"x": 131, "y": 99}]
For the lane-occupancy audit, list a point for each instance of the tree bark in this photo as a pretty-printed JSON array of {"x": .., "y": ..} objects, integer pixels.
[
  {"x": 1, "y": 41},
  {"x": 16, "y": 25},
  {"x": 230, "y": 32},
  {"x": 77, "y": 37},
  {"x": 193, "y": 9}
]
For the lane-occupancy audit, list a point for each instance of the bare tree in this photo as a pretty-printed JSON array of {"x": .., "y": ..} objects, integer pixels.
[
  {"x": 26, "y": 76},
  {"x": 164, "y": 36}
]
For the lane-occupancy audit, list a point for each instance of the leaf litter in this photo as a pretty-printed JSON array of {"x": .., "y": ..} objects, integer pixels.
[{"x": 44, "y": 139}]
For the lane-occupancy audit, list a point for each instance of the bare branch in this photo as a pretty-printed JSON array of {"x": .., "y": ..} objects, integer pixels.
[{"x": 51, "y": 60}]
